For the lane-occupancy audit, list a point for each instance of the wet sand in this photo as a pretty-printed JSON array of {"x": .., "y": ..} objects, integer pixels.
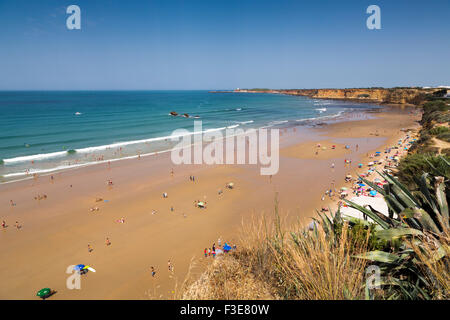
[{"x": 56, "y": 231}]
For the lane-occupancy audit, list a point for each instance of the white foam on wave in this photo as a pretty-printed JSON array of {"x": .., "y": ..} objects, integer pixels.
[
  {"x": 37, "y": 157},
  {"x": 278, "y": 122},
  {"x": 322, "y": 118}
]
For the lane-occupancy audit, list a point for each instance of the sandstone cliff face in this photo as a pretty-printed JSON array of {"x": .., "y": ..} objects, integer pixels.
[{"x": 379, "y": 95}]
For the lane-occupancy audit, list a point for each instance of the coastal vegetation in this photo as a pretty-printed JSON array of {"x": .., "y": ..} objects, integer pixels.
[
  {"x": 423, "y": 155},
  {"x": 331, "y": 258},
  {"x": 410, "y": 248}
]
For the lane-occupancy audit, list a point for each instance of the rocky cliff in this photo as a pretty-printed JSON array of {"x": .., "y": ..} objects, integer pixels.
[{"x": 378, "y": 95}]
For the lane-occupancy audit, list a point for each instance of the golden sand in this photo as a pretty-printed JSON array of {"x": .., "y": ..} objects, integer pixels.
[{"x": 56, "y": 231}]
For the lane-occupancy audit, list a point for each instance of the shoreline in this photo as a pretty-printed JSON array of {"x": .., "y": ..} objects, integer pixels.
[
  {"x": 342, "y": 116},
  {"x": 58, "y": 229}
]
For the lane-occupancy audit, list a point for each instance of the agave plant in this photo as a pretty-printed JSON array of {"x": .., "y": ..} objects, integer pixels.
[{"x": 420, "y": 220}]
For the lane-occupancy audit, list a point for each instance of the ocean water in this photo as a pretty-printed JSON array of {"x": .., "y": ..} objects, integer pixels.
[{"x": 45, "y": 131}]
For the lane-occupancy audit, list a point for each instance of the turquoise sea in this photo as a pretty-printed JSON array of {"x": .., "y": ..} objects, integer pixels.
[{"x": 44, "y": 131}]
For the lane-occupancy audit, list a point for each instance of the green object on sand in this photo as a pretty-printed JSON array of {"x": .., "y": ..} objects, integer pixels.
[{"x": 43, "y": 292}]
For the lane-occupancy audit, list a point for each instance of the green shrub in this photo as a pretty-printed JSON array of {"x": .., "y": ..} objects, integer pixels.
[
  {"x": 445, "y": 136},
  {"x": 438, "y": 130},
  {"x": 414, "y": 165}
]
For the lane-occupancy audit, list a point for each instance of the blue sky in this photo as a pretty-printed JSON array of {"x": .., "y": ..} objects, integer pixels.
[{"x": 222, "y": 44}]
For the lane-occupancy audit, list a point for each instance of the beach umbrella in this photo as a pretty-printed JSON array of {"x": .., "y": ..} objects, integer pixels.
[
  {"x": 343, "y": 188},
  {"x": 373, "y": 193},
  {"x": 226, "y": 248},
  {"x": 361, "y": 184},
  {"x": 79, "y": 267},
  {"x": 43, "y": 293},
  {"x": 378, "y": 152},
  {"x": 89, "y": 268}
]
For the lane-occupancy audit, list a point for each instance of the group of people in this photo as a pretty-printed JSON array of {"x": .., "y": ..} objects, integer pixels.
[
  {"x": 107, "y": 242},
  {"x": 214, "y": 251},
  {"x": 17, "y": 225},
  {"x": 169, "y": 267},
  {"x": 358, "y": 187}
]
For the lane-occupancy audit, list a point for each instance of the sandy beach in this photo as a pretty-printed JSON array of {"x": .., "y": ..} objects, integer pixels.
[{"x": 56, "y": 231}]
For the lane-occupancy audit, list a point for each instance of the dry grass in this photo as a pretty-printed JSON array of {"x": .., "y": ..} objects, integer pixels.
[
  {"x": 227, "y": 279},
  {"x": 274, "y": 263},
  {"x": 435, "y": 271}
]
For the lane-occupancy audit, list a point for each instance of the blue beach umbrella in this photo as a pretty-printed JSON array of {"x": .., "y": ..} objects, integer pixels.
[
  {"x": 373, "y": 193},
  {"x": 79, "y": 267},
  {"x": 361, "y": 184}
]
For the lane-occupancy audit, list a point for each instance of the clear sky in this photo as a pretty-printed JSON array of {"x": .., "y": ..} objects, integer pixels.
[{"x": 222, "y": 44}]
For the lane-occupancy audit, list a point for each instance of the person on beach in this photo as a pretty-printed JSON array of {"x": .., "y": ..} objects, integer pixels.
[
  {"x": 12, "y": 203},
  {"x": 17, "y": 225},
  {"x": 206, "y": 252},
  {"x": 171, "y": 172},
  {"x": 108, "y": 243},
  {"x": 214, "y": 247},
  {"x": 4, "y": 224},
  {"x": 219, "y": 241},
  {"x": 153, "y": 271},
  {"x": 169, "y": 265},
  {"x": 214, "y": 253},
  {"x": 90, "y": 248}
]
